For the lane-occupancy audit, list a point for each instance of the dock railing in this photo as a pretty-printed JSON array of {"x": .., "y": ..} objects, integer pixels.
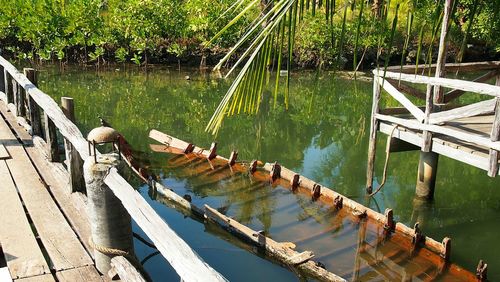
[
  {"x": 27, "y": 102},
  {"x": 430, "y": 117}
]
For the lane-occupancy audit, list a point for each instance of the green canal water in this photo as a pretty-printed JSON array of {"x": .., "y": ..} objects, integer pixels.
[{"x": 323, "y": 136}]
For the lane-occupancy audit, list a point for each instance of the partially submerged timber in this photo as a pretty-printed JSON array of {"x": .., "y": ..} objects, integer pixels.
[{"x": 306, "y": 216}]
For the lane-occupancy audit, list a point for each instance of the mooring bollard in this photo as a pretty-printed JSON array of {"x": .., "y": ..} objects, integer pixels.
[{"x": 111, "y": 225}]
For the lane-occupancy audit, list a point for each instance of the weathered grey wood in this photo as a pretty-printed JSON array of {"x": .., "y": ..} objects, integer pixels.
[
  {"x": 495, "y": 136},
  {"x": 372, "y": 145},
  {"x": 442, "y": 130},
  {"x": 34, "y": 111},
  {"x": 479, "y": 108},
  {"x": 414, "y": 110},
  {"x": 8, "y": 86},
  {"x": 474, "y": 66},
  {"x": 429, "y": 107},
  {"x": 125, "y": 270},
  {"x": 22, "y": 253},
  {"x": 280, "y": 251},
  {"x": 4, "y": 154},
  {"x": 40, "y": 278},
  {"x": 51, "y": 139},
  {"x": 20, "y": 98},
  {"x": 455, "y": 93},
  {"x": 74, "y": 161},
  {"x": 79, "y": 274},
  {"x": 443, "y": 46},
  {"x": 63, "y": 247},
  {"x": 2, "y": 79},
  {"x": 426, "y": 175},
  {"x": 439, "y": 146},
  {"x": 475, "y": 87},
  {"x": 183, "y": 259},
  {"x": 110, "y": 223}
]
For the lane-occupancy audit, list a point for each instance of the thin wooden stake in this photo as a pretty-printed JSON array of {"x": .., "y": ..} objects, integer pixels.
[{"x": 372, "y": 146}]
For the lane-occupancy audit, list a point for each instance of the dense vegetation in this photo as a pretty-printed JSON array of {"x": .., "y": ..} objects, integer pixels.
[{"x": 151, "y": 31}]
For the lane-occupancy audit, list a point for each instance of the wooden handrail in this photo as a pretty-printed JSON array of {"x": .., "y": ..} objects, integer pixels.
[
  {"x": 474, "y": 66},
  {"x": 480, "y": 88},
  {"x": 182, "y": 258}
]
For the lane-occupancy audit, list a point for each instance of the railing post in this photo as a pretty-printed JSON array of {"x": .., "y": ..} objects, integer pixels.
[
  {"x": 8, "y": 87},
  {"x": 372, "y": 146},
  {"x": 34, "y": 111},
  {"x": 2, "y": 79},
  {"x": 20, "y": 99},
  {"x": 74, "y": 161},
  {"x": 51, "y": 139},
  {"x": 495, "y": 135},
  {"x": 110, "y": 223}
]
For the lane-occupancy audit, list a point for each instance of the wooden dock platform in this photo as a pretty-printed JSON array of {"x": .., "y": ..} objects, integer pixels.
[
  {"x": 469, "y": 133},
  {"x": 38, "y": 238}
]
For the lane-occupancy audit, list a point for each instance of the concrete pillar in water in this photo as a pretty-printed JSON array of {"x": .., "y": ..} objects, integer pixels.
[
  {"x": 110, "y": 222},
  {"x": 426, "y": 178}
]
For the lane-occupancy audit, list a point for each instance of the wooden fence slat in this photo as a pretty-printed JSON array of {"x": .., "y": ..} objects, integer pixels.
[
  {"x": 183, "y": 259},
  {"x": 442, "y": 130},
  {"x": 495, "y": 136},
  {"x": 455, "y": 93},
  {"x": 8, "y": 86},
  {"x": 34, "y": 111},
  {"x": 475, "y": 87},
  {"x": 479, "y": 108},
  {"x": 51, "y": 139},
  {"x": 414, "y": 110}
]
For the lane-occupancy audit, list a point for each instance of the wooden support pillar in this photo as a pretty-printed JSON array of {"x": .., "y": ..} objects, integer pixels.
[
  {"x": 74, "y": 161},
  {"x": 8, "y": 87},
  {"x": 34, "y": 110},
  {"x": 20, "y": 98},
  {"x": 51, "y": 139},
  {"x": 495, "y": 136},
  {"x": 110, "y": 223},
  {"x": 426, "y": 178},
  {"x": 372, "y": 145}
]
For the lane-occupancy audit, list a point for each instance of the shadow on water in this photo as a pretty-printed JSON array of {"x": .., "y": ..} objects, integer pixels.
[{"x": 323, "y": 136}]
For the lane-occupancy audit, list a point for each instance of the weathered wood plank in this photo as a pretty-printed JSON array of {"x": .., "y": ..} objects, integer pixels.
[
  {"x": 479, "y": 108},
  {"x": 474, "y": 66},
  {"x": 40, "y": 278},
  {"x": 414, "y": 110},
  {"x": 455, "y": 93},
  {"x": 34, "y": 111},
  {"x": 64, "y": 249},
  {"x": 372, "y": 145},
  {"x": 79, "y": 274},
  {"x": 51, "y": 139},
  {"x": 22, "y": 253},
  {"x": 4, "y": 154},
  {"x": 280, "y": 251},
  {"x": 495, "y": 136},
  {"x": 183, "y": 259},
  {"x": 442, "y": 130},
  {"x": 9, "y": 94},
  {"x": 475, "y": 87},
  {"x": 125, "y": 270}
]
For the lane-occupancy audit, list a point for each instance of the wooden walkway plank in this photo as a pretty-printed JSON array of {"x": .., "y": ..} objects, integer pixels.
[
  {"x": 79, "y": 274},
  {"x": 40, "y": 278},
  {"x": 61, "y": 243},
  {"x": 22, "y": 253},
  {"x": 4, "y": 154},
  {"x": 57, "y": 178}
]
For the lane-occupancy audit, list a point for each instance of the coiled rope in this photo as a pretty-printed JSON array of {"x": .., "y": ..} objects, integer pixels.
[{"x": 386, "y": 164}]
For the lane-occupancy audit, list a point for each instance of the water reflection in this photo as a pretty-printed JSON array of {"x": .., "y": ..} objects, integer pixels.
[{"x": 322, "y": 136}]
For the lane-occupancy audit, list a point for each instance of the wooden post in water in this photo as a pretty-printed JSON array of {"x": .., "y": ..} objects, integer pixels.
[
  {"x": 426, "y": 176},
  {"x": 110, "y": 223},
  {"x": 495, "y": 135},
  {"x": 34, "y": 111},
  {"x": 372, "y": 146},
  {"x": 8, "y": 87},
  {"x": 74, "y": 161}
]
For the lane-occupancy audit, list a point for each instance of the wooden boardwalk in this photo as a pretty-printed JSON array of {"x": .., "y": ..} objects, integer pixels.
[{"x": 42, "y": 227}]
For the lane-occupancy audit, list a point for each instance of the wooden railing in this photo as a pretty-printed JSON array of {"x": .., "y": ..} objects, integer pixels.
[
  {"x": 27, "y": 101},
  {"x": 429, "y": 118}
]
